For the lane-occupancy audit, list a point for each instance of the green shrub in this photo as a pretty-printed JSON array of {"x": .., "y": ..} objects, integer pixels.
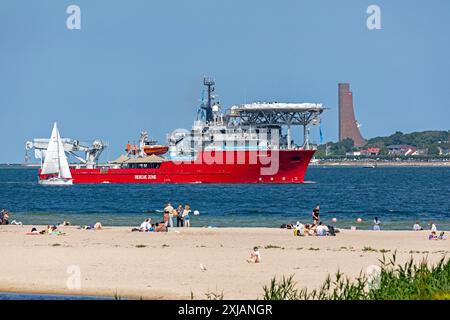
[{"x": 410, "y": 281}]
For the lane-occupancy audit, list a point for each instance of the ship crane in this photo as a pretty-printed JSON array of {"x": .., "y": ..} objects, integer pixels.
[{"x": 92, "y": 152}]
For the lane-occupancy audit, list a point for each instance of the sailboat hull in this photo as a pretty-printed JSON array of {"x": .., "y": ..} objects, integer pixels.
[{"x": 56, "y": 182}]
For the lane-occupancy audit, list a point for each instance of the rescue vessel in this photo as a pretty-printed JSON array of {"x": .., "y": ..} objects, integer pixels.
[{"x": 249, "y": 143}]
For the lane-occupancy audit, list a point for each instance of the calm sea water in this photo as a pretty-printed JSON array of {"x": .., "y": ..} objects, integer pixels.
[{"x": 398, "y": 196}]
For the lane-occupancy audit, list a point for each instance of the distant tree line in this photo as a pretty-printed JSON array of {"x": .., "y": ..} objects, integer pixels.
[{"x": 432, "y": 141}]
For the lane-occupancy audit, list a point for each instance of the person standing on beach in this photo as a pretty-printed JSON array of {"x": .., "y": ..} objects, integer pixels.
[
  {"x": 169, "y": 208},
  {"x": 186, "y": 212},
  {"x": 180, "y": 220},
  {"x": 166, "y": 218},
  {"x": 315, "y": 215},
  {"x": 376, "y": 224}
]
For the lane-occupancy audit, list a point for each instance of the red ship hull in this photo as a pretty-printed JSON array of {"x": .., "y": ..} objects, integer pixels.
[{"x": 284, "y": 166}]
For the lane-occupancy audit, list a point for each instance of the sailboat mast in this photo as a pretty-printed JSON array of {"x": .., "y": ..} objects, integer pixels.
[{"x": 59, "y": 158}]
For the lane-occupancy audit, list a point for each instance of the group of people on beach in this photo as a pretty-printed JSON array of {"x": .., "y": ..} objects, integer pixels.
[
  {"x": 181, "y": 213},
  {"x": 50, "y": 230},
  {"x": 5, "y": 216},
  {"x": 317, "y": 228}
]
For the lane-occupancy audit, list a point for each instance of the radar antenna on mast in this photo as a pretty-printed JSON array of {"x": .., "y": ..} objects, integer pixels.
[{"x": 209, "y": 83}]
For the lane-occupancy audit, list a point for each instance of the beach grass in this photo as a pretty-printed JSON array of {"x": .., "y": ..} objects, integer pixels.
[
  {"x": 214, "y": 295},
  {"x": 410, "y": 281}
]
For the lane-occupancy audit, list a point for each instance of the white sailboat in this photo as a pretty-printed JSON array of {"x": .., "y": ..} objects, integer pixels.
[{"x": 55, "y": 162}]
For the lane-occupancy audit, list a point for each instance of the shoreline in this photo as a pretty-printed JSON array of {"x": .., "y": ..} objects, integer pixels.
[
  {"x": 118, "y": 262},
  {"x": 414, "y": 164},
  {"x": 325, "y": 163}
]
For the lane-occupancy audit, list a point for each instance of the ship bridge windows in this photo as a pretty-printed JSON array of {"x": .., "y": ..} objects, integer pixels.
[{"x": 144, "y": 165}]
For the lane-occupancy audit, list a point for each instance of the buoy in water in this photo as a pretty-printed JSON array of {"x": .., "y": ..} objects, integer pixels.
[
  {"x": 359, "y": 220},
  {"x": 196, "y": 213},
  {"x": 334, "y": 220}
]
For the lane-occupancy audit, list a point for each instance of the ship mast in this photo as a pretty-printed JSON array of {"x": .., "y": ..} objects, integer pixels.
[{"x": 208, "y": 82}]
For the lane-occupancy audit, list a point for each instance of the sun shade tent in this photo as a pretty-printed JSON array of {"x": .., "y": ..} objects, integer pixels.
[{"x": 121, "y": 159}]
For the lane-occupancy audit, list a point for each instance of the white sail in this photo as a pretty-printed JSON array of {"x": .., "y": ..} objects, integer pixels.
[
  {"x": 55, "y": 158},
  {"x": 51, "y": 161},
  {"x": 64, "y": 170}
]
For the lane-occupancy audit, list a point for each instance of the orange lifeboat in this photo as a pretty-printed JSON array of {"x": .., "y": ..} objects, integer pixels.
[{"x": 156, "y": 149}]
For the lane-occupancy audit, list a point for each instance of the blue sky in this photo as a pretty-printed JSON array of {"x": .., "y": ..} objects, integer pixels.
[{"x": 139, "y": 64}]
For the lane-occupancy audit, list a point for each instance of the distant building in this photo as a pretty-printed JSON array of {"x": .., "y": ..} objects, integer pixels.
[
  {"x": 371, "y": 151},
  {"x": 348, "y": 127},
  {"x": 402, "y": 150},
  {"x": 353, "y": 153},
  {"x": 444, "y": 151},
  {"x": 421, "y": 152}
]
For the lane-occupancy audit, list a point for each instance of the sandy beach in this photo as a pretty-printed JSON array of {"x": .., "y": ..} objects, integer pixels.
[{"x": 116, "y": 261}]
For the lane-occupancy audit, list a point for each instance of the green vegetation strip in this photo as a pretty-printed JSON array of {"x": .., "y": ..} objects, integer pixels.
[{"x": 411, "y": 281}]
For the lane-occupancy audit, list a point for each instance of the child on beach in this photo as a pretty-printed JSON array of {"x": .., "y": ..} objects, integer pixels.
[
  {"x": 186, "y": 212},
  {"x": 255, "y": 256}
]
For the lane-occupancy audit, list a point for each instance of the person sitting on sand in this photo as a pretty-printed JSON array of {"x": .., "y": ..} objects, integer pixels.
[
  {"x": 53, "y": 231},
  {"x": 160, "y": 227},
  {"x": 5, "y": 218},
  {"x": 255, "y": 256},
  {"x": 376, "y": 224},
  {"x": 312, "y": 230},
  {"x": 148, "y": 226},
  {"x": 185, "y": 215},
  {"x": 321, "y": 230},
  {"x": 98, "y": 226},
  {"x": 166, "y": 218},
  {"x": 433, "y": 227},
  {"x": 144, "y": 226},
  {"x": 2, "y": 212},
  {"x": 299, "y": 229},
  {"x": 417, "y": 227},
  {"x": 33, "y": 231}
]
